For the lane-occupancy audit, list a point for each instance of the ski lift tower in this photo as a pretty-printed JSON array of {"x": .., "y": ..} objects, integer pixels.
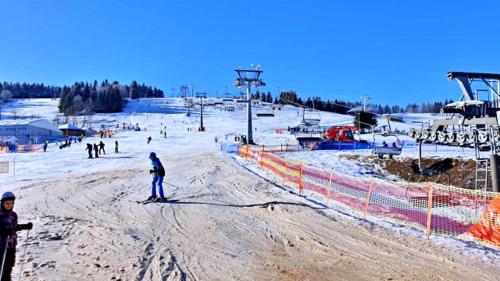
[
  {"x": 201, "y": 96},
  {"x": 248, "y": 78}
]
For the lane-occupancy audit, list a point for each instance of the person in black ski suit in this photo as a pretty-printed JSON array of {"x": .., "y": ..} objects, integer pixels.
[
  {"x": 149, "y": 139},
  {"x": 101, "y": 147},
  {"x": 8, "y": 236},
  {"x": 89, "y": 148},
  {"x": 96, "y": 150}
]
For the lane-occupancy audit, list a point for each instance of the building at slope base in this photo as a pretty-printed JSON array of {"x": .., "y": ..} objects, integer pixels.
[{"x": 29, "y": 130}]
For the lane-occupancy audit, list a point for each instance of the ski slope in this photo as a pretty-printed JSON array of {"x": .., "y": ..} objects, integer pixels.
[{"x": 222, "y": 222}]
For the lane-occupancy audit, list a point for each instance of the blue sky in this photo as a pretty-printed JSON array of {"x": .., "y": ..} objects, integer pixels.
[{"x": 393, "y": 51}]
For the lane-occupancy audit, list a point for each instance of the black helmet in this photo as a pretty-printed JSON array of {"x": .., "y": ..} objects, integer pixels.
[
  {"x": 8, "y": 196},
  {"x": 152, "y": 155}
]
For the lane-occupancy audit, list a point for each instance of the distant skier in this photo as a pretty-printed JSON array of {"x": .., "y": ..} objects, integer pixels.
[
  {"x": 45, "y": 145},
  {"x": 116, "y": 146},
  {"x": 149, "y": 139},
  {"x": 101, "y": 147},
  {"x": 216, "y": 140},
  {"x": 89, "y": 148},
  {"x": 158, "y": 173},
  {"x": 8, "y": 236},
  {"x": 96, "y": 150},
  {"x": 165, "y": 134}
]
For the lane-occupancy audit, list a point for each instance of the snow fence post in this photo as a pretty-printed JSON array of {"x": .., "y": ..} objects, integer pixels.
[
  {"x": 369, "y": 195},
  {"x": 300, "y": 178},
  {"x": 329, "y": 186},
  {"x": 429, "y": 211},
  {"x": 286, "y": 170}
]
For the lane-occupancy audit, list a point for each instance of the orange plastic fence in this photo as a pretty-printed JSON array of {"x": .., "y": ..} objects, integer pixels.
[
  {"x": 433, "y": 208},
  {"x": 487, "y": 229}
]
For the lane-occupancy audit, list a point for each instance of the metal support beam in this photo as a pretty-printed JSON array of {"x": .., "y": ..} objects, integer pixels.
[
  {"x": 495, "y": 172},
  {"x": 249, "y": 116}
]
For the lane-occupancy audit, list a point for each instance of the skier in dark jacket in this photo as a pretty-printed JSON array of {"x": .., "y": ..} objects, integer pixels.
[
  {"x": 116, "y": 146},
  {"x": 101, "y": 147},
  {"x": 158, "y": 173},
  {"x": 89, "y": 148},
  {"x": 96, "y": 150},
  {"x": 8, "y": 236},
  {"x": 149, "y": 139}
]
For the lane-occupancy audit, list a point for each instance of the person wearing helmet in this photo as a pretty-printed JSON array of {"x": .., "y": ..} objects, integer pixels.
[
  {"x": 8, "y": 236},
  {"x": 158, "y": 173}
]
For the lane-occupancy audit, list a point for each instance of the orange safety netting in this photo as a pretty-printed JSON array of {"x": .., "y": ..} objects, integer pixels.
[
  {"x": 434, "y": 208},
  {"x": 487, "y": 228},
  {"x": 27, "y": 148}
]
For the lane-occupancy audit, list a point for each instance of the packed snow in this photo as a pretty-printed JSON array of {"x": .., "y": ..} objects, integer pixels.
[{"x": 223, "y": 220}]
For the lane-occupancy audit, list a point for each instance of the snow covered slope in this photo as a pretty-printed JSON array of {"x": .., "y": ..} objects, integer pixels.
[{"x": 222, "y": 222}]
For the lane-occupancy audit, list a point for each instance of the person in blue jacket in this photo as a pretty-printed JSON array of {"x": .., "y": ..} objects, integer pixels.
[{"x": 158, "y": 173}]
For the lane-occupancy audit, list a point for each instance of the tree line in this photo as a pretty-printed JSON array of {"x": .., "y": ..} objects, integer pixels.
[
  {"x": 30, "y": 90},
  {"x": 342, "y": 107},
  {"x": 82, "y": 97}
]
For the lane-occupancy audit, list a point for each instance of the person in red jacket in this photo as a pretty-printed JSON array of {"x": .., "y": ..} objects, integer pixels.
[{"x": 8, "y": 236}]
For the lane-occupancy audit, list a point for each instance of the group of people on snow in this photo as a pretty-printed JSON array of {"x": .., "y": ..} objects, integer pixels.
[{"x": 98, "y": 149}]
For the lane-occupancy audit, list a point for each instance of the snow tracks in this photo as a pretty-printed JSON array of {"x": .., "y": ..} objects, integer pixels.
[{"x": 220, "y": 223}]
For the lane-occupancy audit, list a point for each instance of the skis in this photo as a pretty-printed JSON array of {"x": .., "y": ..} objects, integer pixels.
[
  {"x": 144, "y": 202},
  {"x": 147, "y": 201}
]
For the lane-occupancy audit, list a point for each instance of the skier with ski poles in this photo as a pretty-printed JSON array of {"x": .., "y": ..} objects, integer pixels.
[
  {"x": 158, "y": 173},
  {"x": 8, "y": 236},
  {"x": 89, "y": 148}
]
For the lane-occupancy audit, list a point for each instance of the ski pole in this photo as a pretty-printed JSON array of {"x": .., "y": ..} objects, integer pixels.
[
  {"x": 24, "y": 255},
  {"x": 4, "y": 255}
]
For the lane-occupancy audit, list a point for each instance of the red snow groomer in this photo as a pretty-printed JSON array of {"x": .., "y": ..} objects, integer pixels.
[{"x": 340, "y": 133}]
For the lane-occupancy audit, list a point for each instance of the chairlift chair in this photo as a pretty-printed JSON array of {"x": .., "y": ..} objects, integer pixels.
[
  {"x": 265, "y": 112},
  {"x": 311, "y": 116}
]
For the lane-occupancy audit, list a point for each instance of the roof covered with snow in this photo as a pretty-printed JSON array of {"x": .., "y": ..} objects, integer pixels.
[
  {"x": 69, "y": 127},
  {"x": 40, "y": 123}
]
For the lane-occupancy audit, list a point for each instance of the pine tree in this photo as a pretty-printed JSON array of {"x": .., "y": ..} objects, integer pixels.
[{"x": 134, "y": 91}]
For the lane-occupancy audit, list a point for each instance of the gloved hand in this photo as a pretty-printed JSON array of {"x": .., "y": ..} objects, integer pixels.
[
  {"x": 29, "y": 225},
  {"x": 151, "y": 171}
]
